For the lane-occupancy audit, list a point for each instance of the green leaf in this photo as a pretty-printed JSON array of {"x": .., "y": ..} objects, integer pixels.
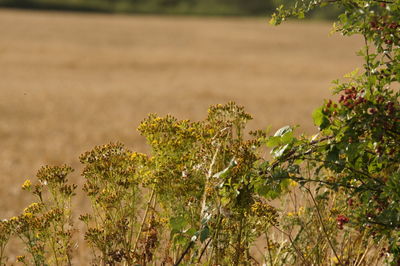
[
  {"x": 333, "y": 155},
  {"x": 320, "y": 119},
  {"x": 279, "y": 152},
  {"x": 282, "y": 136},
  {"x": 352, "y": 74},
  {"x": 191, "y": 232},
  {"x": 272, "y": 194},
  {"x": 287, "y": 137},
  {"x": 273, "y": 142},
  {"x": 179, "y": 239},
  {"x": 285, "y": 184},
  {"x": 353, "y": 151},
  {"x": 205, "y": 232},
  {"x": 224, "y": 173},
  {"x": 262, "y": 190},
  {"x": 282, "y": 131},
  {"x": 178, "y": 223}
]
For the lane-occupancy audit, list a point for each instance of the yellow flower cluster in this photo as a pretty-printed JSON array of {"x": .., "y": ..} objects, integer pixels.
[
  {"x": 28, "y": 215},
  {"x": 300, "y": 212},
  {"x": 33, "y": 208},
  {"x": 265, "y": 210},
  {"x": 26, "y": 185},
  {"x": 293, "y": 183}
]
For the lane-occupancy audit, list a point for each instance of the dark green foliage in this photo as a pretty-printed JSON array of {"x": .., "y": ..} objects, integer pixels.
[{"x": 357, "y": 149}]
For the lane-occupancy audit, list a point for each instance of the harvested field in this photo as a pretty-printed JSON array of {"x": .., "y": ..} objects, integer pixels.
[{"x": 73, "y": 81}]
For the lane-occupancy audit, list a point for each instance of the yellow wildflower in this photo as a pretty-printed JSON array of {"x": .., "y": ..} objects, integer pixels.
[
  {"x": 28, "y": 214},
  {"x": 20, "y": 258},
  {"x": 334, "y": 260},
  {"x": 164, "y": 220},
  {"x": 34, "y": 207},
  {"x": 293, "y": 183},
  {"x": 134, "y": 155},
  {"x": 27, "y": 184}
]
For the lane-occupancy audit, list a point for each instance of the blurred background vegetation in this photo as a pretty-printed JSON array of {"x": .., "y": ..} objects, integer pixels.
[{"x": 169, "y": 7}]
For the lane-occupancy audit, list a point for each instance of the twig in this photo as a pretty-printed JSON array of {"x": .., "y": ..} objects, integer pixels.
[
  {"x": 323, "y": 227},
  {"x": 238, "y": 244},
  {"x": 144, "y": 219},
  {"x": 184, "y": 253},
  {"x": 203, "y": 202},
  {"x": 209, "y": 175},
  {"x": 294, "y": 246},
  {"x": 204, "y": 249}
]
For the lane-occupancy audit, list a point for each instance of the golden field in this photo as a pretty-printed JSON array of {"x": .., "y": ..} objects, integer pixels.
[{"x": 70, "y": 81}]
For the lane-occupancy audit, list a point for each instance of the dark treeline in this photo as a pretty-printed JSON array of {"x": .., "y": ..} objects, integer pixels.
[{"x": 190, "y": 7}]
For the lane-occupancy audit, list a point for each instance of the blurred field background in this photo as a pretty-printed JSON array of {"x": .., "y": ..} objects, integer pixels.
[
  {"x": 174, "y": 7},
  {"x": 70, "y": 81}
]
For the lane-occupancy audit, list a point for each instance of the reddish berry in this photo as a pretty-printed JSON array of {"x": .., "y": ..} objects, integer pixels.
[
  {"x": 371, "y": 111},
  {"x": 341, "y": 220},
  {"x": 389, "y": 42},
  {"x": 350, "y": 202}
]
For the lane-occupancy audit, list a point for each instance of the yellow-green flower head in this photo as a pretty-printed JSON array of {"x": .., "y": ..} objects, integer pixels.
[
  {"x": 334, "y": 260},
  {"x": 20, "y": 258},
  {"x": 26, "y": 185},
  {"x": 134, "y": 155},
  {"x": 28, "y": 215},
  {"x": 301, "y": 211},
  {"x": 33, "y": 208}
]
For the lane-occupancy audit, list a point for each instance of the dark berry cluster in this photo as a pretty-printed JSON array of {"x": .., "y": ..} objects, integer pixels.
[
  {"x": 387, "y": 29},
  {"x": 351, "y": 98},
  {"x": 341, "y": 220}
]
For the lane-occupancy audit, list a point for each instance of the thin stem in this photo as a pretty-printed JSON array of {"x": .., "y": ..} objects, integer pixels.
[
  {"x": 191, "y": 243},
  {"x": 144, "y": 219},
  {"x": 323, "y": 226},
  {"x": 203, "y": 250},
  {"x": 238, "y": 243},
  {"x": 209, "y": 175},
  {"x": 269, "y": 250},
  {"x": 294, "y": 246},
  {"x": 368, "y": 66},
  {"x": 219, "y": 219},
  {"x": 2, "y": 249}
]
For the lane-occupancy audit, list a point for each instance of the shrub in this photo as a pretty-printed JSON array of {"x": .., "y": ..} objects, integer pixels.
[{"x": 357, "y": 148}]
